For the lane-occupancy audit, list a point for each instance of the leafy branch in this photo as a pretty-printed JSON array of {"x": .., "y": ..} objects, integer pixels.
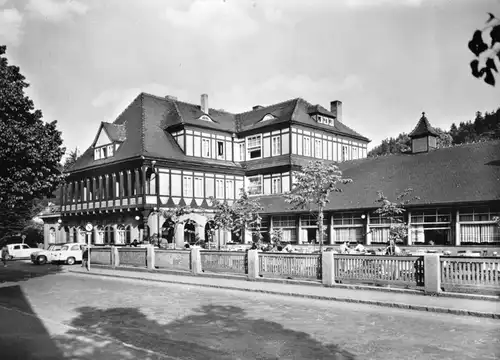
[{"x": 484, "y": 53}]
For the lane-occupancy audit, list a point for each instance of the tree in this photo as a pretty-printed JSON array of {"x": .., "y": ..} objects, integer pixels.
[
  {"x": 312, "y": 189},
  {"x": 485, "y": 55},
  {"x": 242, "y": 215},
  {"x": 70, "y": 160},
  {"x": 30, "y": 149},
  {"x": 393, "y": 211}
]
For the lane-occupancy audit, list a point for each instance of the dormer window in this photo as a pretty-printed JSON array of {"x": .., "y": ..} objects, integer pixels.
[
  {"x": 103, "y": 152},
  {"x": 325, "y": 120},
  {"x": 268, "y": 117},
  {"x": 205, "y": 118}
]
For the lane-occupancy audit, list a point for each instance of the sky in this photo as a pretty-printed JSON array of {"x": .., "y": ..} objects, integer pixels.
[{"x": 386, "y": 60}]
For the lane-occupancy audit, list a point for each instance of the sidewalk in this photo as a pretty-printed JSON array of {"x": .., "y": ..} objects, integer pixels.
[{"x": 398, "y": 299}]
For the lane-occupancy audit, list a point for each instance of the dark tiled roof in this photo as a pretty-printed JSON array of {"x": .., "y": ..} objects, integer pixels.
[
  {"x": 144, "y": 123},
  {"x": 423, "y": 128},
  {"x": 142, "y": 127},
  {"x": 462, "y": 174},
  {"x": 114, "y": 131}
]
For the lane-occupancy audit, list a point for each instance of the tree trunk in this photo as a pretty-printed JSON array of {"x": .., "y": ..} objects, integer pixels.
[{"x": 320, "y": 229}]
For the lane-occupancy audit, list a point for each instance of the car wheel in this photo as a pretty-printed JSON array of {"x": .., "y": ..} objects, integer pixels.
[
  {"x": 41, "y": 260},
  {"x": 70, "y": 261}
]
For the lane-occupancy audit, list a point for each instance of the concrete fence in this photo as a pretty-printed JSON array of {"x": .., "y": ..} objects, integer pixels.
[{"x": 431, "y": 273}]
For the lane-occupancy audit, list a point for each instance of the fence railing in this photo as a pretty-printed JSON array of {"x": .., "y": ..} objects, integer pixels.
[
  {"x": 431, "y": 272},
  {"x": 225, "y": 262},
  {"x": 132, "y": 256},
  {"x": 300, "y": 266},
  {"x": 101, "y": 256},
  {"x": 397, "y": 270},
  {"x": 173, "y": 259},
  {"x": 467, "y": 273}
]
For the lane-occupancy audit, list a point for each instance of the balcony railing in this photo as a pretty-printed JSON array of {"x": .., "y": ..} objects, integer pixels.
[{"x": 107, "y": 204}]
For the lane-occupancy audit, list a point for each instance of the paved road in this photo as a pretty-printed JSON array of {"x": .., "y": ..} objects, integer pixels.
[{"x": 66, "y": 316}]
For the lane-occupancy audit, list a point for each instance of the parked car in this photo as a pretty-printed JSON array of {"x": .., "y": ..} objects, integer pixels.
[
  {"x": 67, "y": 253},
  {"x": 42, "y": 257},
  {"x": 20, "y": 251}
]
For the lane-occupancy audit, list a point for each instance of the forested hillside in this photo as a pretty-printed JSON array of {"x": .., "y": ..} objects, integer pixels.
[{"x": 482, "y": 128}]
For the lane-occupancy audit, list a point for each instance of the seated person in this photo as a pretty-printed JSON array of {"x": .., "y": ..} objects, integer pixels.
[
  {"x": 359, "y": 247},
  {"x": 344, "y": 248}
]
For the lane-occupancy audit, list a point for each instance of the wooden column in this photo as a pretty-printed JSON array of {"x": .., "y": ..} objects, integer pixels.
[
  {"x": 409, "y": 241},
  {"x": 101, "y": 191},
  {"x": 368, "y": 239},
  {"x": 113, "y": 179},
  {"x": 106, "y": 189},
  {"x": 136, "y": 184},
  {"x": 129, "y": 184},
  {"x": 94, "y": 192},
  {"x": 457, "y": 229},
  {"x": 122, "y": 191}
]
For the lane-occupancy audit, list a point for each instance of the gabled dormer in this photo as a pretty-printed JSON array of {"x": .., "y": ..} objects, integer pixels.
[
  {"x": 108, "y": 139},
  {"x": 423, "y": 137},
  {"x": 325, "y": 117}
]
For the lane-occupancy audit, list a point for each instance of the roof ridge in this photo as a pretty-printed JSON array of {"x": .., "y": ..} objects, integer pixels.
[{"x": 268, "y": 106}]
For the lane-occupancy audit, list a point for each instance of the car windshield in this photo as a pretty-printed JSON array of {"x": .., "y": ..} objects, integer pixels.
[
  {"x": 54, "y": 247},
  {"x": 65, "y": 247}
]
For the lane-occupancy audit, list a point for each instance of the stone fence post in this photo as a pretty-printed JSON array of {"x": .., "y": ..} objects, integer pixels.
[
  {"x": 253, "y": 264},
  {"x": 150, "y": 257},
  {"x": 115, "y": 256},
  {"x": 327, "y": 268},
  {"x": 432, "y": 273},
  {"x": 196, "y": 261}
]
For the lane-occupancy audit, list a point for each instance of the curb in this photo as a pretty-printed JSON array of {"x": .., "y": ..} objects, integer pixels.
[
  {"x": 305, "y": 283},
  {"x": 434, "y": 309}
]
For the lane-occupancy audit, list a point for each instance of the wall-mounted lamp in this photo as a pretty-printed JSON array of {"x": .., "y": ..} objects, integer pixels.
[
  {"x": 153, "y": 163},
  {"x": 137, "y": 218},
  {"x": 59, "y": 221},
  {"x": 363, "y": 216}
]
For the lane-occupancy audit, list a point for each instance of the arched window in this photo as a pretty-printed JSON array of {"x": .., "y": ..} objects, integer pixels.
[
  {"x": 100, "y": 235},
  {"x": 189, "y": 232},
  {"x": 128, "y": 234},
  {"x": 109, "y": 235},
  {"x": 81, "y": 234},
  {"x": 52, "y": 235},
  {"x": 121, "y": 235}
]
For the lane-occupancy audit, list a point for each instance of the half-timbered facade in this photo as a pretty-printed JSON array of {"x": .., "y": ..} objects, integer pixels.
[{"x": 161, "y": 153}]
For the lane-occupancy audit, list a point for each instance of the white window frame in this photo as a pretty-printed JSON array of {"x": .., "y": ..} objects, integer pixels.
[
  {"x": 344, "y": 153},
  {"x": 276, "y": 185},
  {"x": 276, "y": 145},
  {"x": 241, "y": 149},
  {"x": 220, "y": 156},
  {"x": 219, "y": 188},
  {"x": 97, "y": 154},
  {"x": 307, "y": 149},
  {"x": 254, "y": 148},
  {"x": 110, "y": 150},
  {"x": 198, "y": 186},
  {"x": 203, "y": 142},
  {"x": 187, "y": 186},
  {"x": 260, "y": 186},
  {"x": 318, "y": 148},
  {"x": 229, "y": 189}
]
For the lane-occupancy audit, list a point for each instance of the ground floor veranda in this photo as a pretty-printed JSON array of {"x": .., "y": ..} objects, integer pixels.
[{"x": 473, "y": 225}]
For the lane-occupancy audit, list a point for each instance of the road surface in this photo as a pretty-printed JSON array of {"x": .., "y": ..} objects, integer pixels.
[{"x": 45, "y": 314}]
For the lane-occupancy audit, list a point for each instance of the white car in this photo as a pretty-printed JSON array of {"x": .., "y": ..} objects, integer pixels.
[
  {"x": 42, "y": 257},
  {"x": 20, "y": 251},
  {"x": 67, "y": 253}
]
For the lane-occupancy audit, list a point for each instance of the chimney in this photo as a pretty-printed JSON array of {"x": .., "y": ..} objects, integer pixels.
[
  {"x": 170, "y": 97},
  {"x": 336, "y": 109},
  {"x": 204, "y": 103},
  {"x": 257, "y": 107}
]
